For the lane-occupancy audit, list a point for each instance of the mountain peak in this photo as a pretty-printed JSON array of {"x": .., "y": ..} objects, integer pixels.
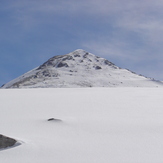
[
  {"x": 74, "y": 59},
  {"x": 79, "y": 69}
]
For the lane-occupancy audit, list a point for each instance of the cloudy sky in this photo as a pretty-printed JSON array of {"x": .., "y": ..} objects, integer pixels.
[{"x": 128, "y": 33}]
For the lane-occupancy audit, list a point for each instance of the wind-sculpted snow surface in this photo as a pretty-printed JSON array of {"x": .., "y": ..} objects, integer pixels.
[
  {"x": 97, "y": 125},
  {"x": 80, "y": 69}
]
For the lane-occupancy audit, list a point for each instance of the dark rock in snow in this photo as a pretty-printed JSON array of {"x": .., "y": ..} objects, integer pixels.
[
  {"x": 85, "y": 55},
  {"x": 98, "y": 68},
  {"x": 67, "y": 58},
  {"x": 54, "y": 119},
  {"x": 76, "y": 55},
  {"x": 108, "y": 63},
  {"x": 62, "y": 64},
  {"x": 46, "y": 73},
  {"x": 6, "y": 141}
]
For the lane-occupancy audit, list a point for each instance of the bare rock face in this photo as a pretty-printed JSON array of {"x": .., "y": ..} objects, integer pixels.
[{"x": 6, "y": 141}]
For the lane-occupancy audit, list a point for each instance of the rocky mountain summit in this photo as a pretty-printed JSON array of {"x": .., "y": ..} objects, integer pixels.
[{"x": 80, "y": 69}]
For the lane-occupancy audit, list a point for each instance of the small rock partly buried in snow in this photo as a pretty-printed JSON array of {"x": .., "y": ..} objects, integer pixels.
[
  {"x": 54, "y": 119},
  {"x": 6, "y": 141}
]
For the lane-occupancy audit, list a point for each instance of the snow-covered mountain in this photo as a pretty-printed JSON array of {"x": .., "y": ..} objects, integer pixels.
[{"x": 80, "y": 69}]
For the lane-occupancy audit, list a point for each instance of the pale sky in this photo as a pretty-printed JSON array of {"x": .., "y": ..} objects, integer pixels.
[{"x": 128, "y": 33}]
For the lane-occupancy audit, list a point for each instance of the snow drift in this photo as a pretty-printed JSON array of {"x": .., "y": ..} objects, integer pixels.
[{"x": 98, "y": 125}]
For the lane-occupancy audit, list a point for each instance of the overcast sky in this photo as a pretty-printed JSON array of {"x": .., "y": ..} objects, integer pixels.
[{"x": 128, "y": 33}]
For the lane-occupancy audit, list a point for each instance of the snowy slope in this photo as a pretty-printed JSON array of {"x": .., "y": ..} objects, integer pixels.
[
  {"x": 99, "y": 125},
  {"x": 80, "y": 69}
]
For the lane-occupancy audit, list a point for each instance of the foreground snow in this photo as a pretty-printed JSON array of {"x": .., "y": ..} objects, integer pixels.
[{"x": 99, "y": 125}]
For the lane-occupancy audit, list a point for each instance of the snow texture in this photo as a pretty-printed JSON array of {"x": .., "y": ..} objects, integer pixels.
[
  {"x": 97, "y": 125},
  {"x": 80, "y": 69}
]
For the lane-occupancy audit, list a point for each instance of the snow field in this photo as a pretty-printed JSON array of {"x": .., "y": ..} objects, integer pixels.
[{"x": 117, "y": 125}]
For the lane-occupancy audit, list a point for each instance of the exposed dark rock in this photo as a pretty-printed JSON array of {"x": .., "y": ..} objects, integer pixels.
[
  {"x": 54, "y": 119},
  {"x": 132, "y": 71},
  {"x": 17, "y": 84},
  {"x": 57, "y": 57},
  {"x": 85, "y": 55},
  {"x": 50, "y": 62},
  {"x": 46, "y": 73},
  {"x": 98, "y": 68},
  {"x": 6, "y": 141},
  {"x": 76, "y": 55},
  {"x": 62, "y": 64},
  {"x": 67, "y": 58},
  {"x": 108, "y": 63}
]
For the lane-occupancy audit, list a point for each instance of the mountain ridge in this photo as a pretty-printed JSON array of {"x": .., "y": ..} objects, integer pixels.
[{"x": 80, "y": 69}]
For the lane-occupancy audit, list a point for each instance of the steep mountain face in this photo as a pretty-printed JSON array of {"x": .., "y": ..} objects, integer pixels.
[{"x": 80, "y": 69}]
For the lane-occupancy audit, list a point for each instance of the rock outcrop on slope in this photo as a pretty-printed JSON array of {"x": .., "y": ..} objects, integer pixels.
[
  {"x": 80, "y": 69},
  {"x": 6, "y": 141}
]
